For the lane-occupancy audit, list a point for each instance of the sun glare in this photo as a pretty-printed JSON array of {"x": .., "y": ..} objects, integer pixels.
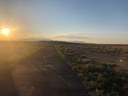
[{"x": 5, "y": 31}]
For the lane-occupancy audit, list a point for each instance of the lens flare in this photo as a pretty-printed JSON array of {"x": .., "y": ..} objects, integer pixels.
[{"x": 5, "y": 31}]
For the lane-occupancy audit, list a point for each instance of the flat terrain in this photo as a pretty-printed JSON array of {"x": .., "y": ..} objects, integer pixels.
[
  {"x": 36, "y": 71},
  {"x": 37, "y": 68},
  {"x": 102, "y": 53},
  {"x": 103, "y": 68}
]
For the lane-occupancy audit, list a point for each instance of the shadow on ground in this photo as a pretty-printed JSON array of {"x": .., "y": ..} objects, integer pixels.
[{"x": 7, "y": 85}]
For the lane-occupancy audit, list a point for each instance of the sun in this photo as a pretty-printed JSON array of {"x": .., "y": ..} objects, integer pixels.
[{"x": 5, "y": 31}]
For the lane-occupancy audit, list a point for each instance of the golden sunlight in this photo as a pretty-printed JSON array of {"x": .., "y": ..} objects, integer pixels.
[{"x": 5, "y": 31}]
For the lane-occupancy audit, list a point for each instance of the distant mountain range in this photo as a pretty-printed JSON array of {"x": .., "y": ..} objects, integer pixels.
[
  {"x": 46, "y": 39},
  {"x": 77, "y": 41},
  {"x": 35, "y": 39}
]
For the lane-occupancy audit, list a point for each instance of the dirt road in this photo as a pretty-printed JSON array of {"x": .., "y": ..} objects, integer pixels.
[{"x": 44, "y": 73}]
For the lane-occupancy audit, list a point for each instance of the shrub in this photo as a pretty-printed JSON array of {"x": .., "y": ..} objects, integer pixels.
[{"x": 100, "y": 79}]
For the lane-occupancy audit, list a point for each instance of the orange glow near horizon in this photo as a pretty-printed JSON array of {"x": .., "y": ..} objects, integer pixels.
[{"x": 5, "y": 31}]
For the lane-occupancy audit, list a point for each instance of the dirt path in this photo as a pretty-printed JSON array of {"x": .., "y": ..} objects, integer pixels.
[
  {"x": 7, "y": 85},
  {"x": 44, "y": 73}
]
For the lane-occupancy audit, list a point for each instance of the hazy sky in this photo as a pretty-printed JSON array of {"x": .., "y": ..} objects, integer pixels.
[{"x": 95, "y": 21}]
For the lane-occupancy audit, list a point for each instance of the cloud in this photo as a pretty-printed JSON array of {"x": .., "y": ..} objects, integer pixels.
[
  {"x": 72, "y": 37},
  {"x": 89, "y": 38}
]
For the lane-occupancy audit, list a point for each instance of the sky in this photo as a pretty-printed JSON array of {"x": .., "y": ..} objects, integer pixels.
[{"x": 91, "y": 21}]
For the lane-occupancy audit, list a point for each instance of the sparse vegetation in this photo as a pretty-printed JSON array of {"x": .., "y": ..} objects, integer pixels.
[{"x": 101, "y": 79}]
